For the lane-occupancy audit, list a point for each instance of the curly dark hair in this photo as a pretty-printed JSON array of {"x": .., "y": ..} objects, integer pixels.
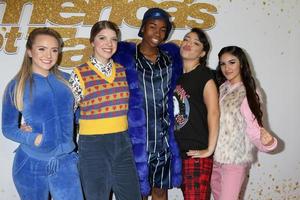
[{"x": 247, "y": 79}]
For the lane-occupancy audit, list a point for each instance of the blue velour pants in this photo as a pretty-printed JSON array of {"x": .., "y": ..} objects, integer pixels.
[{"x": 36, "y": 179}]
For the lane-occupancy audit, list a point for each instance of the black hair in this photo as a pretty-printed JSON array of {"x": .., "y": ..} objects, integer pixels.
[{"x": 205, "y": 42}]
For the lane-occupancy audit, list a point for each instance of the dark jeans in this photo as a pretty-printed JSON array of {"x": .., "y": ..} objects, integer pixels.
[{"x": 106, "y": 163}]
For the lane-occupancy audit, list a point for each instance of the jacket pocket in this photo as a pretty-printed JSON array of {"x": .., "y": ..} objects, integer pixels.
[
  {"x": 67, "y": 133},
  {"x": 50, "y": 135}
]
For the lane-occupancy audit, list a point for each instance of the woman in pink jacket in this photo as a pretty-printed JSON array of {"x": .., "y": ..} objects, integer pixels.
[{"x": 241, "y": 128}]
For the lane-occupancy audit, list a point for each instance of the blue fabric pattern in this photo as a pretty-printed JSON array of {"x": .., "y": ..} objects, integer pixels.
[{"x": 136, "y": 115}]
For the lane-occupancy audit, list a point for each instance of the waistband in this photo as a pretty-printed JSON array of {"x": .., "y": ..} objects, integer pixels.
[{"x": 61, "y": 149}]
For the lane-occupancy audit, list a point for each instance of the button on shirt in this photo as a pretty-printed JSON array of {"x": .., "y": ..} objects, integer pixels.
[{"x": 154, "y": 81}]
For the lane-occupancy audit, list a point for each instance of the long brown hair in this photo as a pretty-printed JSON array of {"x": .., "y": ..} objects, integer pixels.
[
  {"x": 25, "y": 72},
  {"x": 247, "y": 79}
]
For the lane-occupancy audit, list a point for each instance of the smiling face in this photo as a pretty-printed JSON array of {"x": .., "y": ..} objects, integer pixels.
[
  {"x": 44, "y": 54},
  {"x": 105, "y": 45},
  {"x": 191, "y": 48},
  {"x": 231, "y": 68},
  {"x": 154, "y": 32}
]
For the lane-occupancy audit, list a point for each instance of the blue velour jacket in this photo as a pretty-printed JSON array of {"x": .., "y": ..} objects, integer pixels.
[
  {"x": 48, "y": 110},
  {"x": 136, "y": 115}
]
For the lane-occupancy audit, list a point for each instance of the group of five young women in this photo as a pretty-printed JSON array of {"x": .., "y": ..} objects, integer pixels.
[{"x": 216, "y": 131}]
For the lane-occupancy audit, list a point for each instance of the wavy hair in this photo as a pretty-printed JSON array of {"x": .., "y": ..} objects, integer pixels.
[{"x": 247, "y": 79}]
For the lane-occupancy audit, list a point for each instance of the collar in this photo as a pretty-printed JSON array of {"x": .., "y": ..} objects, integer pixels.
[
  {"x": 140, "y": 55},
  {"x": 106, "y": 69},
  {"x": 228, "y": 88}
]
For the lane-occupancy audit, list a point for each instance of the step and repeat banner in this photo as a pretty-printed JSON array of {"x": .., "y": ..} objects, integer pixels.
[{"x": 267, "y": 29}]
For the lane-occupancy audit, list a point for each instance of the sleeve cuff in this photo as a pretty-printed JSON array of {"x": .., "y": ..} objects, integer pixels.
[{"x": 273, "y": 145}]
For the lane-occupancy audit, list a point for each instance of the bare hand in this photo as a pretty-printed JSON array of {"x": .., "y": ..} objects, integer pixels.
[
  {"x": 265, "y": 137},
  {"x": 38, "y": 139},
  {"x": 199, "y": 153},
  {"x": 26, "y": 128}
]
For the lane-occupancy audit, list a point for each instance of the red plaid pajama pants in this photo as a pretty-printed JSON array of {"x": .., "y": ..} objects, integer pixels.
[{"x": 196, "y": 178}]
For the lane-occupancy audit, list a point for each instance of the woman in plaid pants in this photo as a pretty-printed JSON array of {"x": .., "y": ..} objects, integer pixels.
[{"x": 197, "y": 116}]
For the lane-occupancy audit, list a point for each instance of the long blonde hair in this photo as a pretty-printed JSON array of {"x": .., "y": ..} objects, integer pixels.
[{"x": 25, "y": 72}]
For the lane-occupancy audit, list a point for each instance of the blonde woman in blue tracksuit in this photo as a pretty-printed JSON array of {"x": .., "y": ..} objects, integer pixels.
[{"x": 45, "y": 162}]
